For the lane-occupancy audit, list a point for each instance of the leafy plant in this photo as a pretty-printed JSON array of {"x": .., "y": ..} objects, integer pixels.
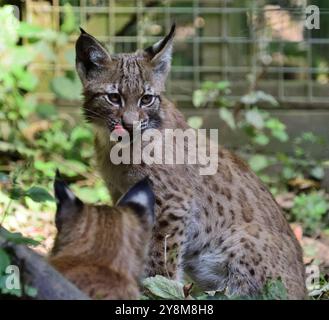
[
  {"x": 245, "y": 115},
  {"x": 33, "y": 134},
  {"x": 159, "y": 287},
  {"x": 310, "y": 209},
  {"x": 246, "y": 118},
  {"x": 301, "y": 163},
  {"x": 6, "y": 261}
]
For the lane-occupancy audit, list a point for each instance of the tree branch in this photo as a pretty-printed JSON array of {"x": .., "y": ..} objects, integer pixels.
[{"x": 50, "y": 284}]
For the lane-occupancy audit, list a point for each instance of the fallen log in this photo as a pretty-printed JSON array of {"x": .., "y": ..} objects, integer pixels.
[{"x": 50, "y": 284}]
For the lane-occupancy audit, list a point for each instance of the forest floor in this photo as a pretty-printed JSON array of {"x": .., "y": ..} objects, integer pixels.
[{"x": 40, "y": 226}]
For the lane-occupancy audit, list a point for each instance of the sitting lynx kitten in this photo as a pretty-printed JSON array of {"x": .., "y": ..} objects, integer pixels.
[
  {"x": 102, "y": 249},
  {"x": 225, "y": 231}
]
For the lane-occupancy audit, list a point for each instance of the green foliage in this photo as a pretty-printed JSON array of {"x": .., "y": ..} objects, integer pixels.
[
  {"x": 274, "y": 290},
  {"x": 67, "y": 88},
  {"x": 258, "y": 125},
  {"x": 38, "y": 194},
  {"x": 301, "y": 163},
  {"x": 210, "y": 92},
  {"x": 17, "y": 238},
  {"x": 35, "y": 133},
  {"x": 258, "y": 162},
  {"x": 310, "y": 209},
  {"x": 5, "y": 261},
  {"x": 195, "y": 122},
  {"x": 159, "y": 288},
  {"x": 69, "y": 24},
  {"x": 227, "y": 116}
]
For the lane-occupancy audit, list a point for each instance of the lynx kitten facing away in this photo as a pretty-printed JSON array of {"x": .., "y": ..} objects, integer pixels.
[
  {"x": 102, "y": 249},
  {"x": 225, "y": 230}
]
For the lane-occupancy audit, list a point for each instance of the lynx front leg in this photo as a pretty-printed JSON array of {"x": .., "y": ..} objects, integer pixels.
[{"x": 167, "y": 243}]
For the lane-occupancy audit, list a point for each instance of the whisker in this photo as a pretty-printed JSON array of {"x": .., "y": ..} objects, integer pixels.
[
  {"x": 94, "y": 112},
  {"x": 93, "y": 115}
]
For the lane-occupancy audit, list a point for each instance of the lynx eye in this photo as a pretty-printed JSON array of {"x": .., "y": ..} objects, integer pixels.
[
  {"x": 114, "y": 98},
  {"x": 147, "y": 100}
]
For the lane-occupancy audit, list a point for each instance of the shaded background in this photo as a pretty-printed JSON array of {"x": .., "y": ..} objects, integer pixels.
[{"x": 216, "y": 40}]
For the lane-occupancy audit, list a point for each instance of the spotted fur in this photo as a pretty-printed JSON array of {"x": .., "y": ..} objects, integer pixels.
[{"x": 225, "y": 231}]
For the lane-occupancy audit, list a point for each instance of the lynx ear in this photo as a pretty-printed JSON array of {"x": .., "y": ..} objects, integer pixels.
[
  {"x": 90, "y": 55},
  {"x": 140, "y": 198},
  {"x": 67, "y": 203},
  {"x": 160, "y": 55}
]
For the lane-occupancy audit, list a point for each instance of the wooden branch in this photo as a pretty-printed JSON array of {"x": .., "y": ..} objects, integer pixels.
[{"x": 50, "y": 284}]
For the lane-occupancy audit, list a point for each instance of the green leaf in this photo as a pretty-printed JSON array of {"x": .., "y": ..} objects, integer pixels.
[
  {"x": 66, "y": 88},
  {"x": 249, "y": 99},
  {"x": 47, "y": 168},
  {"x": 280, "y": 135},
  {"x": 195, "y": 122},
  {"x": 17, "y": 238},
  {"x": 254, "y": 117},
  {"x": 163, "y": 288},
  {"x": 74, "y": 166},
  {"x": 222, "y": 85},
  {"x": 27, "y": 30},
  {"x": 28, "y": 81},
  {"x": 69, "y": 23},
  {"x": 258, "y": 96},
  {"x": 81, "y": 134},
  {"x": 9, "y": 27},
  {"x": 288, "y": 173},
  {"x": 208, "y": 85},
  {"x": 199, "y": 98},
  {"x": 96, "y": 193},
  {"x": 227, "y": 116},
  {"x": 39, "y": 194},
  {"x": 274, "y": 290},
  {"x": 22, "y": 56},
  {"x": 46, "y": 111},
  {"x": 30, "y": 291},
  {"x": 261, "y": 139},
  {"x": 16, "y": 193},
  {"x": 278, "y": 129},
  {"x": 310, "y": 209},
  {"x": 4, "y": 260},
  {"x": 258, "y": 162},
  {"x": 317, "y": 173}
]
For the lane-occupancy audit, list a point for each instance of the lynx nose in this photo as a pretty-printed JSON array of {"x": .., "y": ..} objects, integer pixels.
[{"x": 130, "y": 120}]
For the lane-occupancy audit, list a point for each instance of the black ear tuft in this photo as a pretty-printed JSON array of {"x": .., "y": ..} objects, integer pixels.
[
  {"x": 141, "y": 198},
  {"x": 160, "y": 45},
  {"x": 160, "y": 55},
  {"x": 82, "y": 31},
  {"x": 90, "y": 55},
  {"x": 67, "y": 203}
]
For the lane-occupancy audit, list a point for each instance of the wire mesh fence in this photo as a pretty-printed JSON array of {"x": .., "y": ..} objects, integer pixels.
[{"x": 216, "y": 40}]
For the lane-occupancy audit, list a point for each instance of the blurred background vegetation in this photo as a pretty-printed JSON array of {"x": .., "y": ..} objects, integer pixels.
[{"x": 250, "y": 69}]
